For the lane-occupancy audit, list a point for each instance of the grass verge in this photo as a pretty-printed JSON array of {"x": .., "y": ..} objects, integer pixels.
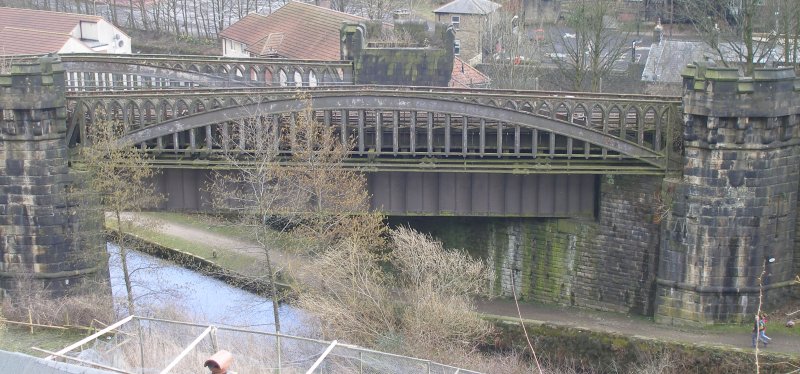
[
  {"x": 232, "y": 260},
  {"x": 20, "y": 339}
]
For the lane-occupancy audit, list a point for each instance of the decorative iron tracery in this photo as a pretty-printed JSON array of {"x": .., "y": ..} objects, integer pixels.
[
  {"x": 408, "y": 127},
  {"x": 92, "y": 72}
]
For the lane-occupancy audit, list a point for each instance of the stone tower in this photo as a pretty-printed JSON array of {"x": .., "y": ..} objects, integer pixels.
[
  {"x": 735, "y": 206},
  {"x": 36, "y": 230}
]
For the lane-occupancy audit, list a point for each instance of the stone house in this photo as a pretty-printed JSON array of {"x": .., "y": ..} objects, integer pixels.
[
  {"x": 470, "y": 19},
  {"x": 36, "y": 32}
]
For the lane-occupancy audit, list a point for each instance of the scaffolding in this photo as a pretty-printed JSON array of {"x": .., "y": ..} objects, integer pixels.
[{"x": 150, "y": 345}]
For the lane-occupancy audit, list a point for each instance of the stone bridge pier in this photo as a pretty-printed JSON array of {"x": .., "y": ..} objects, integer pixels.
[
  {"x": 38, "y": 245},
  {"x": 735, "y": 206}
]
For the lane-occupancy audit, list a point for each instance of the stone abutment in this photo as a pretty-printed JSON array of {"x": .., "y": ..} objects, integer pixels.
[
  {"x": 734, "y": 208},
  {"x": 39, "y": 247}
]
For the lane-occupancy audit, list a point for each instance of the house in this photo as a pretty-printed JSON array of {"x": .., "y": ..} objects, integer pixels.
[
  {"x": 469, "y": 18},
  {"x": 34, "y": 32},
  {"x": 308, "y": 32},
  {"x": 295, "y": 31}
]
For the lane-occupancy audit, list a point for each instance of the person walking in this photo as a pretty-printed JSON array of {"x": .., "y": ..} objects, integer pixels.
[
  {"x": 763, "y": 330},
  {"x": 759, "y": 331}
]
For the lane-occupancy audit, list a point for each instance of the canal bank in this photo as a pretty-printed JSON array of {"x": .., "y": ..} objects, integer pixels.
[
  {"x": 600, "y": 338},
  {"x": 207, "y": 267}
]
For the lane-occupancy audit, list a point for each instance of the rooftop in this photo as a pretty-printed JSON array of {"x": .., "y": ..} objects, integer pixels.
[
  {"x": 466, "y": 76},
  {"x": 42, "y": 20},
  {"x": 296, "y": 30},
  {"x": 481, "y": 7},
  {"x": 17, "y": 41},
  {"x": 27, "y": 31},
  {"x": 667, "y": 59}
]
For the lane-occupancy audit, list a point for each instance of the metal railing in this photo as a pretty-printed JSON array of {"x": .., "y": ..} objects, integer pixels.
[{"x": 140, "y": 344}]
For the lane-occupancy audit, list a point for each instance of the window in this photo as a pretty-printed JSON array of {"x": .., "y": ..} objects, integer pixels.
[
  {"x": 455, "y": 21},
  {"x": 457, "y": 47},
  {"x": 88, "y": 30}
]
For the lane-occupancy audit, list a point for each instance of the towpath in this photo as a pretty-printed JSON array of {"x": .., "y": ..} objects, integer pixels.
[{"x": 784, "y": 341}]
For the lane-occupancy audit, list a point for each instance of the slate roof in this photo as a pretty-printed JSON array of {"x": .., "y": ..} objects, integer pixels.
[
  {"x": 667, "y": 59},
  {"x": 466, "y": 76},
  {"x": 481, "y": 7},
  {"x": 308, "y": 32}
]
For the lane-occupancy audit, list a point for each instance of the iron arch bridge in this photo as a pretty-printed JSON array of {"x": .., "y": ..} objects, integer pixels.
[
  {"x": 403, "y": 128},
  {"x": 102, "y": 72}
]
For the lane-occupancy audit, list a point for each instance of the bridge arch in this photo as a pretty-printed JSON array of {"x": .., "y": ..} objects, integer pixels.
[
  {"x": 197, "y": 106},
  {"x": 544, "y": 109},
  {"x": 115, "y": 112},
  {"x": 562, "y": 112},
  {"x": 131, "y": 114},
  {"x": 580, "y": 115},
  {"x": 439, "y": 111},
  {"x": 99, "y": 112},
  {"x": 269, "y": 77},
  {"x": 311, "y": 78},
  {"x": 166, "y": 110},
  {"x": 297, "y": 78},
  {"x": 149, "y": 112},
  {"x": 283, "y": 78},
  {"x": 181, "y": 108}
]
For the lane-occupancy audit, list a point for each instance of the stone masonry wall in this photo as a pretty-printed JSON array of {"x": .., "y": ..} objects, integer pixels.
[
  {"x": 418, "y": 66},
  {"x": 735, "y": 206},
  {"x": 607, "y": 263},
  {"x": 36, "y": 229}
]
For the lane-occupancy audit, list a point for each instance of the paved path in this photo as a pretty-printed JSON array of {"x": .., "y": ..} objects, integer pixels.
[
  {"x": 741, "y": 338},
  {"x": 783, "y": 341}
]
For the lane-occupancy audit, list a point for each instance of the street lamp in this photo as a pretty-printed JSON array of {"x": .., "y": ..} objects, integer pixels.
[{"x": 767, "y": 260}]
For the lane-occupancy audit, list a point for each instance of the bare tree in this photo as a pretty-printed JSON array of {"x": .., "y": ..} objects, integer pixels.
[
  {"x": 588, "y": 51},
  {"x": 341, "y": 5},
  {"x": 414, "y": 300},
  {"x": 510, "y": 56},
  {"x": 288, "y": 182},
  {"x": 376, "y": 9},
  {"x": 747, "y": 33},
  {"x": 117, "y": 177},
  {"x": 788, "y": 14}
]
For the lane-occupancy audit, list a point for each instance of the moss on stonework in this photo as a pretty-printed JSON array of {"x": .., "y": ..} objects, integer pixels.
[
  {"x": 499, "y": 259},
  {"x": 526, "y": 241},
  {"x": 542, "y": 258}
]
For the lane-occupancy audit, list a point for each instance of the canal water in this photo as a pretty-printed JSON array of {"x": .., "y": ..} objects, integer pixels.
[{"x": 160, "y": 287}]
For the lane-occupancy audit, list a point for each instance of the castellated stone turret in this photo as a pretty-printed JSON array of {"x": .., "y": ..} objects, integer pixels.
[{"x": 735, "y": 207}]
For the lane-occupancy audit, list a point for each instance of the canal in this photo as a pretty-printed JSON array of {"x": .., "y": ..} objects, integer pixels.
[{"x": 161, "y": 288}]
